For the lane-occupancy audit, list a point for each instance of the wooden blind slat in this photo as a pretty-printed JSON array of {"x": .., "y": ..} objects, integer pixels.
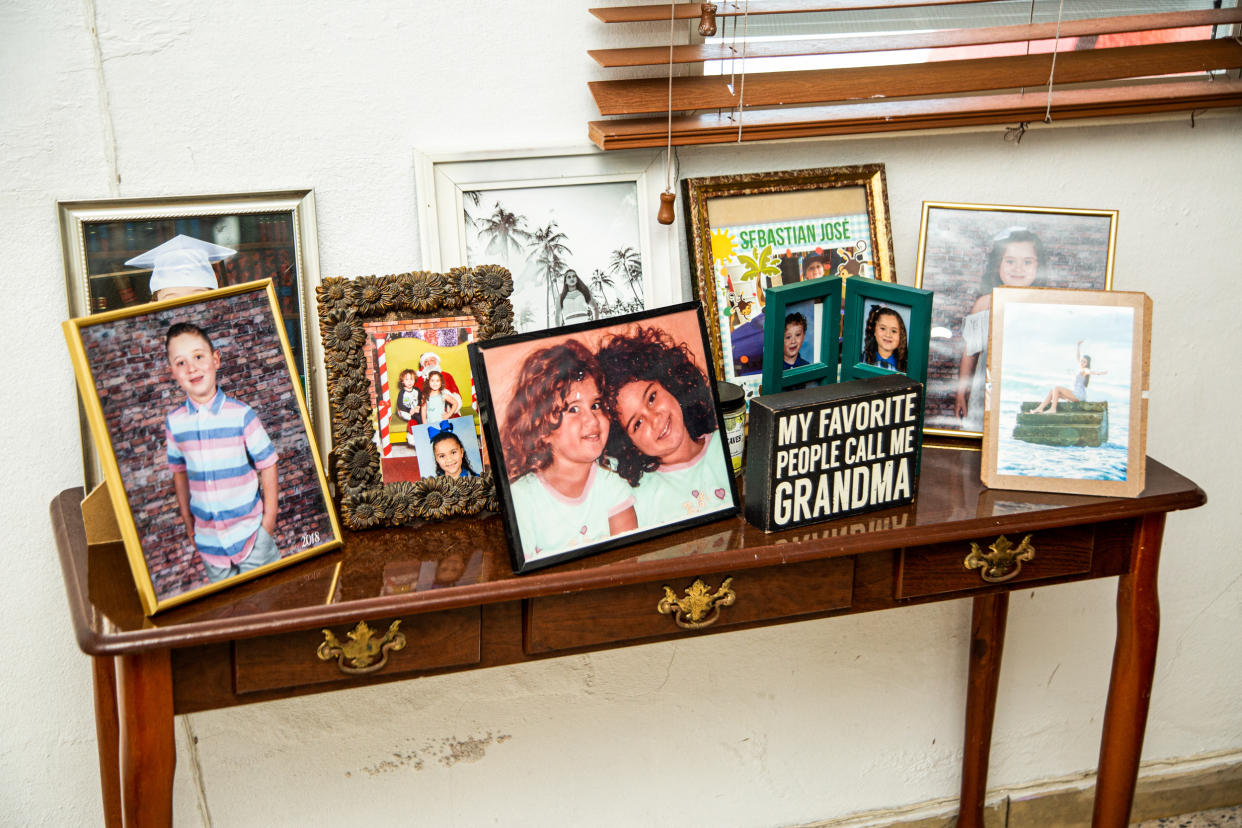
[
  {"x": 690, "y": 11},
  {"x": 934, "y": 113},
  {"x": 650, "y": 95},
  {"x": 658, "y": 55}
]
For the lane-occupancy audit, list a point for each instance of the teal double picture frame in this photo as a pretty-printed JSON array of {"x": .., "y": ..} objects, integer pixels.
[{"x": 878, "y": 329}]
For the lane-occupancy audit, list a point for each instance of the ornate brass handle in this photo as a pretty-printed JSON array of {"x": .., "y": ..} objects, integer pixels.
[
  {"x": 1003, "y": 562},
  {"x": 365, "y": 652},
  {"x": 699, "y": 607}
]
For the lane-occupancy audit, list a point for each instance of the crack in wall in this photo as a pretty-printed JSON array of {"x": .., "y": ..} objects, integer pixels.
[{"x": 105, "y": 105}]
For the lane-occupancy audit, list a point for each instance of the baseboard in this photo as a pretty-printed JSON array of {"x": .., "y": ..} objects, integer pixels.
[{"x": 1164, "y": 789}]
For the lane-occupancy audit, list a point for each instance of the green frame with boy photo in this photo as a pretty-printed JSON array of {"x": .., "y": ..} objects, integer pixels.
[
  {"x": 886, "y": 330},
  {"x": 785, "y": 365}
]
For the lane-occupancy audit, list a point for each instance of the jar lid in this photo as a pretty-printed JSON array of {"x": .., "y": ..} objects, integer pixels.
[{"x": 731, "y": 394}]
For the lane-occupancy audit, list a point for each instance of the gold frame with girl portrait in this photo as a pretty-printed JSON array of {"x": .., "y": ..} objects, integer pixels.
[
  {"x": 351, "y": 311},
  {"x": 179, "y": 504},
  {"x": 966, "y": 250},
  {"x": 604, "y": 433}
]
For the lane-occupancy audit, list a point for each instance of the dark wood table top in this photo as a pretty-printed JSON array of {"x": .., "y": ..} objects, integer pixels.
[{"x": 465, "y": 562}]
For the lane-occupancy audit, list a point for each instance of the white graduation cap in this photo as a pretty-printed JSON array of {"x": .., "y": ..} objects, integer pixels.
[{"x": 182, "y": 261}]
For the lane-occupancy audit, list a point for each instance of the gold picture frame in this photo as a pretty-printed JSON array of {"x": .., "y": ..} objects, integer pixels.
[
  {"x": 134, "y": 401},
  {"x": 355, "y": 314},
  {"x": 961, "y": 247},
  {"x": 794, "y": 225}
]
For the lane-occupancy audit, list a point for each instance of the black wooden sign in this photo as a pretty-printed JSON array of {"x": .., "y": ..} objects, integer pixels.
[{"x": 829, "y": 451}]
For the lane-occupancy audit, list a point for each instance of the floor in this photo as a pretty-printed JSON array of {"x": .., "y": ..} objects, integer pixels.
[{"x": 1218, "y": 818}]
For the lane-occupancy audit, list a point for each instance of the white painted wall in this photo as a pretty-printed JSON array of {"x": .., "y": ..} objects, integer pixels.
[{"x": 767, "y": 727}]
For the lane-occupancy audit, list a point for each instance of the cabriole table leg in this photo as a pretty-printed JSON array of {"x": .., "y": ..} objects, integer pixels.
[
  {"x": 1129, "y": 689},
  {"x": 148, "y": 749},
  {"x": 987, "y": 641}
]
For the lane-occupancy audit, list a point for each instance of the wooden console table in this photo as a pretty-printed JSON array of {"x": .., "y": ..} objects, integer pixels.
[{"x": 461, "y": 608}]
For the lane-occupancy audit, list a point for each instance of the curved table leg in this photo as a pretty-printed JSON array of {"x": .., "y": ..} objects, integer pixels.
[
  {"x": 107, "y": 733},
  {"x": 987, "y": 641},
  {"x": 148, "y": 748},
  {"x": 1129, "y": 689}
]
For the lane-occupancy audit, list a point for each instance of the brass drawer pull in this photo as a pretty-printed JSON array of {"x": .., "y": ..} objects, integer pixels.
[
  {"x": 1003, "y": 562},
  {"x": 699, "y": 608},
  {"x": 359, "y": 656}
]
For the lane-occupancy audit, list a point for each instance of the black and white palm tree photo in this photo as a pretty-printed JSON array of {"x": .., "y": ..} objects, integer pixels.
[{"x": 573, "y": 250}]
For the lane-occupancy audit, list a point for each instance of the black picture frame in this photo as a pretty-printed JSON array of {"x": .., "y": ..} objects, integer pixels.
[{"x": 616, "y": 362}]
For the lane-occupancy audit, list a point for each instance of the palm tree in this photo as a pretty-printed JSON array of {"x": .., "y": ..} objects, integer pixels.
[
  {"x": 525, "y": 320},
  {"x": 627, "y": 264},
  {"x": 473, "y": 197},
  {"x": 548, "y": 250},
  {"x": 503, "y": 231},
  {"x": 598, "y": 279}
]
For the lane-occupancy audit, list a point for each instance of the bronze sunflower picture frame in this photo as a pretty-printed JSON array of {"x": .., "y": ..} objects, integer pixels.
[{"x": 404, "y": 419}]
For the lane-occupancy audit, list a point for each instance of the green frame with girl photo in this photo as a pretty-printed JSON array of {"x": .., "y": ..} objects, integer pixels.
[{"x": 885, "y": 330}]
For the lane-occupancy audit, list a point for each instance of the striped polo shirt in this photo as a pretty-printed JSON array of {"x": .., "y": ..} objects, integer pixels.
[{"x": 220, "y": 446}]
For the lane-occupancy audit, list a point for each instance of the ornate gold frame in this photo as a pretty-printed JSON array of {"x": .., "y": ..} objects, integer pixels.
[
  {"x": 700, "y": 191},
  {"x": 354, "y": 463}
]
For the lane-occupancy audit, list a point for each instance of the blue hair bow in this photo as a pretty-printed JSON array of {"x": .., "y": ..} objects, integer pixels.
[{"x": 446, "y": 426}]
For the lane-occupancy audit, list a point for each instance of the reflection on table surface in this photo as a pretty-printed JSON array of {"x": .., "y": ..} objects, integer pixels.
[{"x": 466, "y": 561}]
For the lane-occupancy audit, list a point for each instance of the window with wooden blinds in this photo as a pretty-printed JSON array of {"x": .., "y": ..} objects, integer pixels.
[{"x": 799, "y": 68}]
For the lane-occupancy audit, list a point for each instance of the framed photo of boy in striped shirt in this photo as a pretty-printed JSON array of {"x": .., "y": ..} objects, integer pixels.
[{"x": 203, "y": 435}]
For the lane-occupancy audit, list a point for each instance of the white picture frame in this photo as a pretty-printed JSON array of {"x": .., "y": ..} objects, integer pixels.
[{"x": 446, "y": 180}]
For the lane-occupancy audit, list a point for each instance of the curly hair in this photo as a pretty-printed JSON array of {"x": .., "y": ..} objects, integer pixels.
[
  {"x": 408, "y": 372},
  {"x": 538, "y": 403},
  {"x": 1000, "y": 243},
  {"x": 871, "y": 348},
  {"x": 651, "y": 355}
]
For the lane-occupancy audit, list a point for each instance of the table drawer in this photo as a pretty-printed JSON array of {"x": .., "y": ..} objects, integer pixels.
[
  {"x": 952, "y": 567},
  {"x": 433, "y": 641},
  {"x": 595, "y": 617}
]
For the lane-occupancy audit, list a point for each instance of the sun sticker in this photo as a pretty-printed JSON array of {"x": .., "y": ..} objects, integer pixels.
[{"x": 722, "y": 245}]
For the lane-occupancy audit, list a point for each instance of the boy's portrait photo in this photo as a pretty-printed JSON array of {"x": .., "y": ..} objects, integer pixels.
[
  {"x": 605, "y": 435},
  {"x": 799, "y": 343},
  {"x": 204, "y": 439}
]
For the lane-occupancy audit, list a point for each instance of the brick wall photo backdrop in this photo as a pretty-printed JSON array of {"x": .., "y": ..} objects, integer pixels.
[{"x": 129, "y": 364}]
